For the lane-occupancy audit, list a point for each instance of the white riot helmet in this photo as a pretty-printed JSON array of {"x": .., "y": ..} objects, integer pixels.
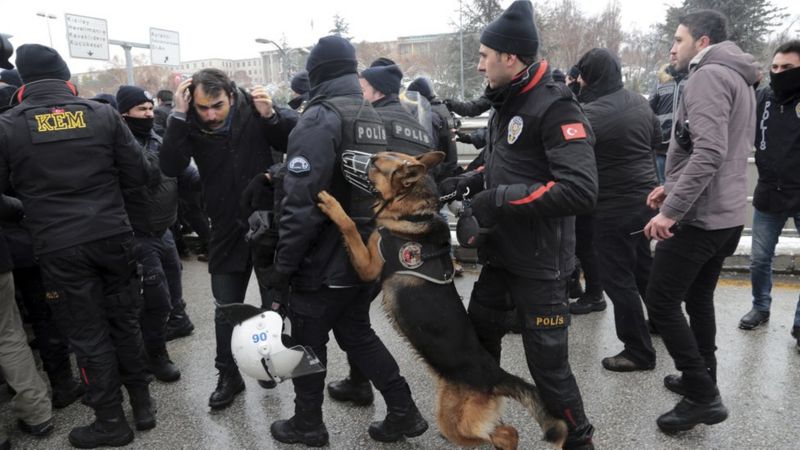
[{"x": 258, "y": 348}]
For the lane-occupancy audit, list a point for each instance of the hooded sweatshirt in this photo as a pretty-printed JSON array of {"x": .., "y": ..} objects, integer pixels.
[{"x": 706, "y": 168}]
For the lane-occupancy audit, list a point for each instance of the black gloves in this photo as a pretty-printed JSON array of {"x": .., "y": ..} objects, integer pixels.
[
  {"x": 448, "y": 103},
  {"x": 464, "y": 137},
  {"x": 457, "y": 188},
  {"x": 278, "y": 285},
  {"x": 257, "y": 195},
  {"x": 484, "y": 208}
]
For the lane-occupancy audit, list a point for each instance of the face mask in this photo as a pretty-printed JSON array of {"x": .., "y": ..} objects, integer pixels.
[
  {"x": 575, "y": 87},
  {"x": 785, "y": 84},
  {"x": 139, "y": 127}
]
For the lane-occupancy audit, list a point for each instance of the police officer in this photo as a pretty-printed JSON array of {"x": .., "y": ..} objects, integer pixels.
[
  {"x": 380, "y": 85},
  {"x": 152, "y": 209},
  {"x": 443, "y": 124},
  {"x": 326, "y": 293},
  {"x": 228, "y": 132},
  {"x": 300, "y": 90},
  {"x": 72, "y": 194},
  {"x": 539, "y": 172}
]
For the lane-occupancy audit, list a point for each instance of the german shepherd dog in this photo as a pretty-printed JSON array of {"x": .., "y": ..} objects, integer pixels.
[{"x": 471, "y": 385}]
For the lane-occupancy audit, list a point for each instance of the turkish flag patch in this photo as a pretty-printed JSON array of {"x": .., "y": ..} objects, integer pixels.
[{"x": 573, "y": 131}]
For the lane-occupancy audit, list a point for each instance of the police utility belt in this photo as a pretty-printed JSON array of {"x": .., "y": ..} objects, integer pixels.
[{"x": 427, "y": 260}]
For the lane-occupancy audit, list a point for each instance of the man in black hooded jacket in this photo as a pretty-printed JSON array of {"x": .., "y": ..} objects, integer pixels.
[
  {"x": 228, "y": 132},
  {"x": 627, "y": 132}
]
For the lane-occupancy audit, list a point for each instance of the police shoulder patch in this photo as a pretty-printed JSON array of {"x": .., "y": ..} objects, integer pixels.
[
  {"x": 299, "y": 166},
  {"x": 515, "y": 129}
]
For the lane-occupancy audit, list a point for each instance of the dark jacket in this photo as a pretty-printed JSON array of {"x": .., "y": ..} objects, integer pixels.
[
  {"x": 471, "y": 108},
  {"x": 68, "y": 159},
  {"x": 443, "y": 123},
  {"x": 310, "y": 248},
  {"x": 777, "y": 153},
  {"x": 539, "y": 157},
  {"x": 227, "y": 161},
  {"x": 160, "y": 116},
  {"x": 625, "y": 131},
  {"x": 152, "y": 208},
  {"x": 664, "y": 103}
]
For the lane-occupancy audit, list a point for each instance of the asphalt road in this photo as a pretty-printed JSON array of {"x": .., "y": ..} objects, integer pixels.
[{"x": 759, "y": 376}]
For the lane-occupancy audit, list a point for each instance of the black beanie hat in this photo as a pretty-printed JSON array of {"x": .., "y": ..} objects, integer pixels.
[
  {"x": 423, "y": 86},
  {"x": 130, "y": 96},
  {"x": 382, "y": 61},
  {"x": 36, "y": 62},
  {"x": 300, "y": 83},
  {"x": 574, "y": 72},
  {"x": 332, "y": 57},
  {"x": 108, "y": 99},
  {"x": 559, "y": 76},
  {"x": 11, "y": 77},
  {"x": 385, "y": 79},
  {"x": 514, "y": 31}
]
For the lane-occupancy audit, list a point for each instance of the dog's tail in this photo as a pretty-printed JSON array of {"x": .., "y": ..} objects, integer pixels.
[{"x": 555, "y": 430}]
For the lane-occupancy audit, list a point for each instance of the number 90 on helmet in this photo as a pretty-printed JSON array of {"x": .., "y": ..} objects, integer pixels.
[{"x": 260, "y": 353}]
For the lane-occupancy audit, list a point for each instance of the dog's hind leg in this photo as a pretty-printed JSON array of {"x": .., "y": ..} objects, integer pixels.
[
  {"x": 504, "y": 437},
  {"x": 467, "y": 417}
]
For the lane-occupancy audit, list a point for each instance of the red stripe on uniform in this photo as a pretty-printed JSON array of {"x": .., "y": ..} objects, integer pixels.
[
  {"x": 85, "y": 378},
  {"x": 536, "y": 77},
  {"x": 534, "y": 195}
]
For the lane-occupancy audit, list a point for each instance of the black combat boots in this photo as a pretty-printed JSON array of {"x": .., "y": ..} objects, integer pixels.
[
  {"x": 348, "y": 390},
  {"x": 109, "y": 429},
  {"x": 302, "y": 428},
  {"x": 229, "y": 385},
  {"x": 66, "y": 389},
  {"x": 143, "y": 407},
  {"x": 159, "y": 364},
  {"x": 688, "y": 413},
  {"x": 588, "y": 302},
  {"x": 406, "y": 422},
  {"x": 178, "y": 326}
]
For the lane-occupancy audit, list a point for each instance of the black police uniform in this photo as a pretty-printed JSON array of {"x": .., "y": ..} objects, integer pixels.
[
  {"x": 227, "y": 160},
  {"x": 403, "y": 133},
  {"x": 443, "y": 123},
  {"x": 72, "y": 193},
  {"x": 540, "y": 165},
  {"x": 152, "y": 209},
  {"x": 326, "y": 291}
]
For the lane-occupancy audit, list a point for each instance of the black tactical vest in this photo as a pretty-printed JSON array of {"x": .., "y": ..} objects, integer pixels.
[
  {"x": 422, "y": 259},
  {"x": 403, "y": 133},
  {"x": 362, "y": 130}
]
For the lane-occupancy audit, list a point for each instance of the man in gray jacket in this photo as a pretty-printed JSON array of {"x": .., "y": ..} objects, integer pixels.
[{"x": 701, "y": 209}]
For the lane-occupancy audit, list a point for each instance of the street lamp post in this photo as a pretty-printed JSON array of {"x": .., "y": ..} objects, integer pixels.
[
  {"x": 284, "y": 56},
  {"x": 47, "y": 18}
]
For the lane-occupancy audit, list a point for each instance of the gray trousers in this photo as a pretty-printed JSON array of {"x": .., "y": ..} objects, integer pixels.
[{"x": 32, "y": 402}]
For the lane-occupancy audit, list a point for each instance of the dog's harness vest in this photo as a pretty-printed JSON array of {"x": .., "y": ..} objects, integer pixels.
[
  {"x": 403, "y": 133},
  {"x": 362, "y": 130},
  {"x": 423, "y": 259}
]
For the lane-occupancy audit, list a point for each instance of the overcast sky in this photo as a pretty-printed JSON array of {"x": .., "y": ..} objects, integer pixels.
[{"x": 227, "y": 28}]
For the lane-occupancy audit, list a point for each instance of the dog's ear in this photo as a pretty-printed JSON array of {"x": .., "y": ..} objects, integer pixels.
[
  {"x": 411, "y": 173},
  {"x": 431, "y": 159}
]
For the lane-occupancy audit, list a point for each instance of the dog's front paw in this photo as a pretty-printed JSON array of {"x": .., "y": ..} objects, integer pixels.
[{"x": 331, "y": 207}]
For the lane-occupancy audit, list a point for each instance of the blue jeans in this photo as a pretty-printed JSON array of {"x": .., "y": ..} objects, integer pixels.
[
  {"x": 767, "y": 229},
  {"x": 661, "y": 165}
]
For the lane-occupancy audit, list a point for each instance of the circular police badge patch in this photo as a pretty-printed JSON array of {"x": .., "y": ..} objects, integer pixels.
[
  {"x": 410, "y": 255},
  {"x": 797, "y": 110},
  {"x": 514, "y": 129},
  {"x": 299, "y": 166}
]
